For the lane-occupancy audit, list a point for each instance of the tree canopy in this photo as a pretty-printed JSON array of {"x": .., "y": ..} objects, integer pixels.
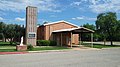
[
  {"x": 12, "y": 31},
  {"x": 107, "y": 25}
]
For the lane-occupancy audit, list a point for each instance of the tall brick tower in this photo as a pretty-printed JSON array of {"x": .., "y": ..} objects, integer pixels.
[{"x": 31, "y": 25}]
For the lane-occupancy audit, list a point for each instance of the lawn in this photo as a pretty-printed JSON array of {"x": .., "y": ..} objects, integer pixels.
[
  {"x": 100, "y": 45},
  {"x": 6, "y": 47}
]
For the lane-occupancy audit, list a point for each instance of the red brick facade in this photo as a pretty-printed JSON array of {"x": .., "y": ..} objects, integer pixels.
[{"x": 44, "y": 32}]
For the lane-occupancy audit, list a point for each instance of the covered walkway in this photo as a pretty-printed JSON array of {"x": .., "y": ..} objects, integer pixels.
[{"x": 70, "y": 33}]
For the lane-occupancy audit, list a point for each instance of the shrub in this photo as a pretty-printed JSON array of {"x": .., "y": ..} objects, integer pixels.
[
  {"x": 38, "y": 43},
  {"x": 53, "y": 43},
  {"x": 30, "y": 47},
  {"x": 46, "y": 43},
  {"x": 43, "y": 42}
]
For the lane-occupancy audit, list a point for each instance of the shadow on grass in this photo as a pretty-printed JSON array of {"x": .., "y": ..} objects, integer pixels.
[{"x": 7, "y": 44}]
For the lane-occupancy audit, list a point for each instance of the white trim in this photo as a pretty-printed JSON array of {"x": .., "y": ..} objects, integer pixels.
[
  {"x": 62, "y": 30},
  {"x": 87, "y": 29},
  {"x": 71, "y": 29},
  {"x": 60, "y": 22}
]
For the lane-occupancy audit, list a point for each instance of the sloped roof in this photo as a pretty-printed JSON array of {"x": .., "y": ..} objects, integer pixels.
[
  {"x": 72, "y": 29},
  {"x": 60, "y": 22}
]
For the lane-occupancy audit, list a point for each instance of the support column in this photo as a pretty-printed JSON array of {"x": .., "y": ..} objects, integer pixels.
[
  {"x": 71, "y": 40},
  {"x": 61, "y": 39},
  {"x": 91, "y": 39},
  {"x": 80, "y": 38}
]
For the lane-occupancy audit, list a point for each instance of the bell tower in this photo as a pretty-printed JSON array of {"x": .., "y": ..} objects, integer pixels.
[{"x": 31, "y": 25}]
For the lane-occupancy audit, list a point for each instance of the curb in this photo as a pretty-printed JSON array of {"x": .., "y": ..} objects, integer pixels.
[{"x": 6, "y": 53}]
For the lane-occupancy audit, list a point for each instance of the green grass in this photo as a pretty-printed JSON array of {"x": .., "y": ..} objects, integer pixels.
[
  {"x": 7, "y": 49},
  {"x": 48, "y": 48},
  {"x": 100, "y": 45}
]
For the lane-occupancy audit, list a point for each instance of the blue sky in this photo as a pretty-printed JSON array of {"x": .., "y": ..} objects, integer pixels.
[{"x": 78, "y": 12}]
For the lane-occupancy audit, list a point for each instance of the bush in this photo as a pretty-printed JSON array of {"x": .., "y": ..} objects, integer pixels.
[
  {"x": 38, "y": 42},
  {"x": 30, "y": 47},
  {"x": 53, "y": 43},
  {"x": 43, "y": 42},
  {"x": 46, "y": 43}
]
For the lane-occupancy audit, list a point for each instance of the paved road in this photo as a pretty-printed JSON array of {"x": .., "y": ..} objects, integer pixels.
[{"x": 80, "y": 58}]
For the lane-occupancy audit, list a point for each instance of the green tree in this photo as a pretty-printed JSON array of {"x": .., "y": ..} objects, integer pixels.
[
  {"x": 12, "y": 31},
  {"x": 86, "y": 36},
  {"x": 106, "y": 24},
  {"x": 92, "y": 27}
]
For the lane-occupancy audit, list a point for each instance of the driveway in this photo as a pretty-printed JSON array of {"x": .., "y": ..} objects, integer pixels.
[{"x": 74, "y": 58}]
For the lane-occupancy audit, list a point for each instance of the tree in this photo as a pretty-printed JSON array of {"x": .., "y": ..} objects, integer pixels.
[
  {"x": 2, "y": 25},
  {"x": 12, "y": 32},
  {"x": 106, "y": 24},
  {"x": 86, "y": 36}
]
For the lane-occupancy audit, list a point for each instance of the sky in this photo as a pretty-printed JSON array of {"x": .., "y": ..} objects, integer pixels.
[{"x": 78, "y": 12}]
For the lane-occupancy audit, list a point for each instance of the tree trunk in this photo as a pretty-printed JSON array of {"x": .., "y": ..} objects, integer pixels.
[
  {"x": 111, "y": 41},
  {"x": 104, "y": 41}
]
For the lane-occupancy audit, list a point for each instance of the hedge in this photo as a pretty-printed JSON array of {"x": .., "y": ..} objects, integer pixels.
[{"x": 46, "y": 43}]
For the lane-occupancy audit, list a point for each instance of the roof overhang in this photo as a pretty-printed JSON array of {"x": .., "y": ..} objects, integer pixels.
[
  {"x": 75, "y": 30},
  {"x": 60, "y": 22}
]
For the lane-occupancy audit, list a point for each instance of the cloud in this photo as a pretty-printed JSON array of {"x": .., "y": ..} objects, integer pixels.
[
  {"x": 98, "y": 6},
  {"x": 76, "y": 3},
  {"x": 84, "y": 18},
  {"x": 20, "y": 5},
  {"x": 19, "y": 19},
  {"x": 53, "y": 16},
  {"x": 1, "y": 18},
  {"x": 108, "y": 5},
  {"x": 78, "y": 18}
]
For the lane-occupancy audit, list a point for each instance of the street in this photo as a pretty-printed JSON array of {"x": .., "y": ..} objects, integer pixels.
[{"x": 75, "y": 58}]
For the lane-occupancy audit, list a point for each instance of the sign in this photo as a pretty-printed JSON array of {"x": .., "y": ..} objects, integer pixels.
[{"x": 31, "y": 35}]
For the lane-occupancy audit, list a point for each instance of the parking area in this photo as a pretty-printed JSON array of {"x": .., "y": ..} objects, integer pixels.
[{"x": 109, "y": 57}]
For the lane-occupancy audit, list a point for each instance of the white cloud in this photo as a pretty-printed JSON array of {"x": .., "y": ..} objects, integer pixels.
[
  {"x": 84, "y": 18},
  {"x": 98, "y": 6},
  {"x": 20, "y": 5},
  {"x": 1, "y": 18},
  {"x": 108, "y": 5},
  {"x": 76, "y": 3},
  {"x": 78, "y": 18},
  {"x": 19, "y": 19},
  {"x": 53, "y": 16}
]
